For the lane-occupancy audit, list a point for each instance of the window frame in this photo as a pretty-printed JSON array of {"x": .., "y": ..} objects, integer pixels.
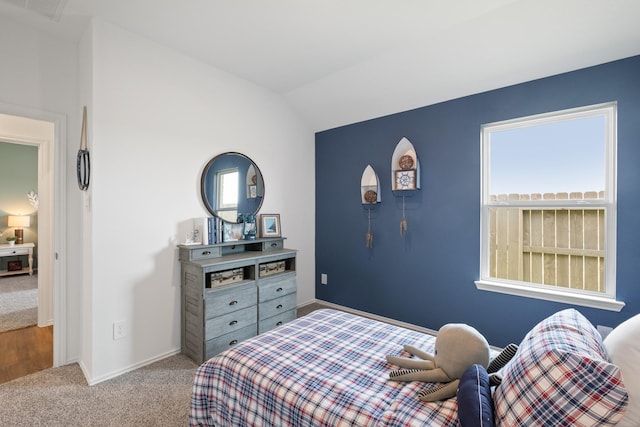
[
  {"x": 227, "y": 211},
  {"x": 603, "y": 300}
]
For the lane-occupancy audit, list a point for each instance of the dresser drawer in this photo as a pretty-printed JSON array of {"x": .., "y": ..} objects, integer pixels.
[
  {"x": 12, "y": 250},
  {"x": 226, "y": 299},
  {"x": 228, "y": 323},
  {"x": 276, "y": 287},
  {"x": 199, "y": 253},
  {"x": 275, "y": 321},
  {"x": 276, "y": 306},
  {"x": 272, "y": 245},
  {"x": 216, "y": 345}
]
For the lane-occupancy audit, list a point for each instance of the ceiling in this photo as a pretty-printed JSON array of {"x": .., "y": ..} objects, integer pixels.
[{"x": 342, "y": 61}]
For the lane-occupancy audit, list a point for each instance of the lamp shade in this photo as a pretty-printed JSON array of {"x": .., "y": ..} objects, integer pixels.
[{"x": 19, "y": 221}]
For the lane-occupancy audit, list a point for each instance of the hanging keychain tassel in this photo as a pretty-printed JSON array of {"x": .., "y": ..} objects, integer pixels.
[
  {"x": 369, "y": 233},
  {"x": 403, "y": 222}
]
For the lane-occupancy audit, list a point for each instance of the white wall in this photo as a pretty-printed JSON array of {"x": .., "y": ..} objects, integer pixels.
[
  {"x": 157, "y": 117},
  {"x": 84, "y": 225},
  {"x": 39, "y": 74}
]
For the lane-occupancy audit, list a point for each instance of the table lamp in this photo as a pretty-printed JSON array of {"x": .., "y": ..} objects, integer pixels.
[{"x": 19, "y": 221}]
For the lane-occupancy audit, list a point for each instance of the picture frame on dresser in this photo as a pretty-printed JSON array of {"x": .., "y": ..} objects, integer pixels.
[
  {"x": 270, "y": 225},
  {"x": 232, "y": 232}
]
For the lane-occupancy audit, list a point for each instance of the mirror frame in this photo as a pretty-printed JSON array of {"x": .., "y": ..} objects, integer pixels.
[{"x": 206, "y": 200}]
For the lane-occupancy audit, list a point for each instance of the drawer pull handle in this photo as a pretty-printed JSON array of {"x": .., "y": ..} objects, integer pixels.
[
  {"x": 234, "y": 342},
  {"x": 279, "y": 306},
  {"x": 279, "y": 323},
  {"x": 206, "y": 252},
  {"x": 233, "y": 322},
  {"x": 279, "y": 290},
  {"x": 234, "y": 302},
  {"x": 273, "y": 245}
]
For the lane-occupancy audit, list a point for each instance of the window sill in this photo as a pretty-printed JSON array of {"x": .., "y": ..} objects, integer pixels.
[{"x": 551, "y": 295}]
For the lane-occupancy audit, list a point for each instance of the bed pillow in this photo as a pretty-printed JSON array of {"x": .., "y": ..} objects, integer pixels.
[
  {"x": 560, "y": 375},
  {"x": 623, "y": 346},
  {"x": 475, "y": 406}
]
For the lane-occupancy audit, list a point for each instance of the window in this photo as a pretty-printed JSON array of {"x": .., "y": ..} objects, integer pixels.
[
  {"x": 227, "y": 182},
  {"x": 548, "y": 209}
]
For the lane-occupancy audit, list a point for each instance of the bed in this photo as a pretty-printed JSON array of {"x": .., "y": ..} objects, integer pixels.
[{"x": 329, "y": 369}]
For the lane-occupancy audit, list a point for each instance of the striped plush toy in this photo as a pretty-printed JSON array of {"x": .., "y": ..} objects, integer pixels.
[{"x": 458, "y": 346}]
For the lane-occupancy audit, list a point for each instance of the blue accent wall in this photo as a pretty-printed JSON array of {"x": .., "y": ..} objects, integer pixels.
[{"x": 427, "y": 278}]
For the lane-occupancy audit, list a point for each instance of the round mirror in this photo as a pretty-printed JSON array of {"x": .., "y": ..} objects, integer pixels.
[{"x": 231, "y": 185}]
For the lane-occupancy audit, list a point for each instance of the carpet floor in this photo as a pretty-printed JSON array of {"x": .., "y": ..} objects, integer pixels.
[
  {"x": 155, "y": 395},
  {"x": 18, "y": 302}
]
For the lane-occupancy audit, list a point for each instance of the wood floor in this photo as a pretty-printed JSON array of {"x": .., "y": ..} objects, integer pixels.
[{"x": 25, "y": 351}]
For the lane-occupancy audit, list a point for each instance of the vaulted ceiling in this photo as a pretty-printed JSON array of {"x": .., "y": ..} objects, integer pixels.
[{"x": 342, "y": 61}]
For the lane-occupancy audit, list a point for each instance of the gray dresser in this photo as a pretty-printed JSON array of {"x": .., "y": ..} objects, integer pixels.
[{"x": 233, "y": 291}]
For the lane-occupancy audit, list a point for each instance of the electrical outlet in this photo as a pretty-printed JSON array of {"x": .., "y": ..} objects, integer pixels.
[
  {"x": 323, "y": 278},
  {"x": 118, "y": 330}
]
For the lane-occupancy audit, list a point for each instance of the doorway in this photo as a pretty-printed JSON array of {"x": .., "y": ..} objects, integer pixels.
[
  {"x": 18, "y": 235},
  {"x": 45, "y": 131}
]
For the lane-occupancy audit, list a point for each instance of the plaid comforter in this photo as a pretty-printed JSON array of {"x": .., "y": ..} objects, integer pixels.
[{"x": 325, "y": 369}]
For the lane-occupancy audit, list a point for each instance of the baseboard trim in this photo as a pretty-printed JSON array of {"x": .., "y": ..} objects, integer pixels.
[{"x": 114, "y": 374}]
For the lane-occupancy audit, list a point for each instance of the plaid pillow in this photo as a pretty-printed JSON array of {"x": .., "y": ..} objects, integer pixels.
[{"x": 560, "y": 376}]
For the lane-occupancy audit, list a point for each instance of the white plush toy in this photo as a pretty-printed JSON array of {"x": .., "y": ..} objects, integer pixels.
[{"x": 457, "y": 347}]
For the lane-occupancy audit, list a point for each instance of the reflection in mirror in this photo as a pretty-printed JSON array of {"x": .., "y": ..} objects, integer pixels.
[{"x": 231, "y": 185}]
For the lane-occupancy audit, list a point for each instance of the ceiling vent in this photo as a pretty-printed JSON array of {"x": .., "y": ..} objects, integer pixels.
[{"x": 52, "y": 9}]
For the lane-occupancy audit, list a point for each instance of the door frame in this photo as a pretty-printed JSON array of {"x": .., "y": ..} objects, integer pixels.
[{"x": 51, "y": 179}]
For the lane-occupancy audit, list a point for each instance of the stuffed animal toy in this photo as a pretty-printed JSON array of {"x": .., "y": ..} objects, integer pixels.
[{"x": 458, "y": 346}]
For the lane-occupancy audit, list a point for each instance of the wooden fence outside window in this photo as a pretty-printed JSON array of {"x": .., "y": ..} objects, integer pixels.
[{"x": 561, "y": 247}]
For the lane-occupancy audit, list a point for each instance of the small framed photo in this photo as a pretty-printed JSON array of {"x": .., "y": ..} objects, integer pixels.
[
  {"x": 405, "y": 179},
  {"x": 232, "y": 232},
  {"x": 253, "y": 192},
  {"x": 270, "y": 225}
]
